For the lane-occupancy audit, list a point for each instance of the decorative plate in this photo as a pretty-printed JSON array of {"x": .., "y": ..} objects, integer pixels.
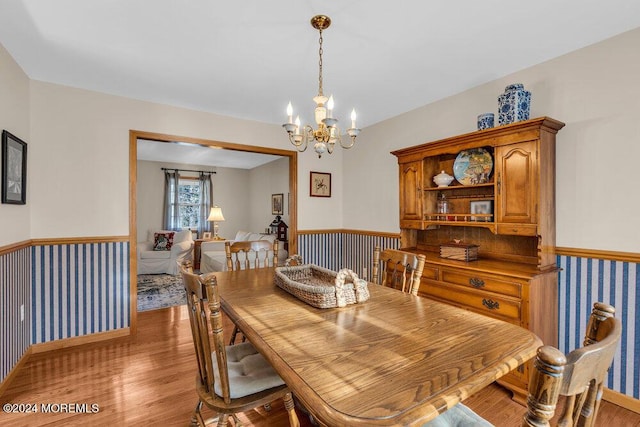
[{"x": 473, "y": 166}]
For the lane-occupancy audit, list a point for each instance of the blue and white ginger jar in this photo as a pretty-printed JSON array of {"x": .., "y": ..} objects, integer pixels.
[
  {"x": 514, "y": 104},
  {"x": 485, "y": 121}
]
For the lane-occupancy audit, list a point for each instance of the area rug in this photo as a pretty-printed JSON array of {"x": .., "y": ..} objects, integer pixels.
[{"x": 159, "y": 291}]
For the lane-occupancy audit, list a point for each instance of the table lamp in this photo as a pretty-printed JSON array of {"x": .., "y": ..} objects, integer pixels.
[{"x": 215, "y": 215}]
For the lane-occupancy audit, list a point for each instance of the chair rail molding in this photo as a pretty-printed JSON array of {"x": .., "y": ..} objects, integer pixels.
[{"x": 40, "y": 273}]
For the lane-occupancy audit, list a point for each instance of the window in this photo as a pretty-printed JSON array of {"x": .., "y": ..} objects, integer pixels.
[{"x": 189, "y": 200}]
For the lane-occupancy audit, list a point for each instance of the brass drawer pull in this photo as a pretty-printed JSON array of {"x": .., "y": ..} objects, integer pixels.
[
  {"x": 476, "y": 283},
  {"x": 490, "y": 304}
]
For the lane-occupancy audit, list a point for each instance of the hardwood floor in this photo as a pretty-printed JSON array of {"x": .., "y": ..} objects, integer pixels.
[{"x": 149, "y": 380}]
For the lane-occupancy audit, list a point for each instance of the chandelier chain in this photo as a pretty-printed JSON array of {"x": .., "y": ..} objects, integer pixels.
[{"x": 320, "y": 66}]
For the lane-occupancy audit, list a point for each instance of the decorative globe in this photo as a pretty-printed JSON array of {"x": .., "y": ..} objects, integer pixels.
[{"x": 320, "y": 148}]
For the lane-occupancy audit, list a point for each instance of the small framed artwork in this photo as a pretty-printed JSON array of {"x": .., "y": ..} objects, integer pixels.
[
  {"x": 277, "y": 204},
  {"x": 320, "y": 184},
  {"x": 482, "y": 210},
  {"x": 14, "y": 169},
  {"x": 206, "y": 235}
]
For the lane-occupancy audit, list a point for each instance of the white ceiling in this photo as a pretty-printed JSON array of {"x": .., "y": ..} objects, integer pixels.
[{"x": 247, "y": 59}]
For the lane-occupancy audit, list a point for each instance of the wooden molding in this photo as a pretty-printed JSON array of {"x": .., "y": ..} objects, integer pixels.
[
  {"x": 580, "y": 253},
  {"x": 134, "y": 135},
  {"x": 14, "y": 247},
  {"x": 622, "y": 400},
  {"x": 349, "y": 231},
  {"x": 60, "y": 241},
  {"x": 133, "y": 231},
  {"x": 78, "y": 240},
  {"x": 564, "y": 251},
  {"x": 599, "y": 254},
  {"x": 4, "y": 385},
  {"x": 75, "y": 341}
]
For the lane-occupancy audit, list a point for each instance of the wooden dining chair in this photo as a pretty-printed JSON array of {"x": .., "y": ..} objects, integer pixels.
[
  {"x": 230, "y": 379},
  {"x": 398, "y": 269},
  {"x": 251, "y": 254},
  {"x": 245, "y": 255},
  {"x": 579, "y": 377}
]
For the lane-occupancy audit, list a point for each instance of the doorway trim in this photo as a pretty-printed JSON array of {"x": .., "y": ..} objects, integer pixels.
[{"x": 134, "y": 135}]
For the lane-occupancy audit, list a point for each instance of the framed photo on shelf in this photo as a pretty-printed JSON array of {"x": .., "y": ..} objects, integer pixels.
[
  {"x": 320, "y": 184},
  {"x": 14, "y": 169},
  {"x": 481, "y": 210},
  {"x": 277, "y": 204},
  {"x": 206, "y": 235}
]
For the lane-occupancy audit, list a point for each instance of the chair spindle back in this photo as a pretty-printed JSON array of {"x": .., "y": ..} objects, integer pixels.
[
  {"x": 203, "y": 303},
  {"x": 398, "y": 269},
  {"x": 250, "y": 254}
]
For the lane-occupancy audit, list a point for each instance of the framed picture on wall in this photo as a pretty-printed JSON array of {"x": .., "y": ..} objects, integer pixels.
[
  {"x": 320, "y": 184},
  {"x": 277, "y": 204},
  {"x": 14, "y": 169}
]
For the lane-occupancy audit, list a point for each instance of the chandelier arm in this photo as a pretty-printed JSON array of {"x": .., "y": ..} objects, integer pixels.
[
  {"x": 353, "y": 141},
  {"x": 303, "y": 142}
]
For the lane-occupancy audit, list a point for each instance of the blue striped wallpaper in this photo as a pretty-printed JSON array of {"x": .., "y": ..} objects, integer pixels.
[
  {"x": 15, "y": 281},
  {"x": 343, "y": 250},
  {"x": 79, "y": 289},
  {"x": 581, "y": 282},
  {"x": 71, "y": 290}
]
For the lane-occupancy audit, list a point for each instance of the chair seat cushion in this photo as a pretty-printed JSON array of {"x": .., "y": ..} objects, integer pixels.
[
  {"x": 249, "y": 372},
  {"x": 155, "y": 255},
  {"x": 459, "y": 416}
]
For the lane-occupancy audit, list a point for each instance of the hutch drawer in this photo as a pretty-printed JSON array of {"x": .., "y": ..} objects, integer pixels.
[
  {"x": 430, "y": 272},
  {"x": 517, "y": 229},
  {"x": 483, "y": 282},
  {"x": 481, "y": 302}
]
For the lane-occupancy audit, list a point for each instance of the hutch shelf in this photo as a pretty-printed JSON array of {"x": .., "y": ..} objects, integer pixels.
[{"x": 515, "y": 275}]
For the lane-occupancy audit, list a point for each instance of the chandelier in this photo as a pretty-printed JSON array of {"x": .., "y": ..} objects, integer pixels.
[{"x": 327, "y": 134}]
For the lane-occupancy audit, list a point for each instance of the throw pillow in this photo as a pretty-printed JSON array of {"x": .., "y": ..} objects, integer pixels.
[{"x": 163, "y": 241}]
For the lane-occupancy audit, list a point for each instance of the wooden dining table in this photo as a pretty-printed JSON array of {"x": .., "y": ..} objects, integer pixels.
[{"x": 395, "y": 359}]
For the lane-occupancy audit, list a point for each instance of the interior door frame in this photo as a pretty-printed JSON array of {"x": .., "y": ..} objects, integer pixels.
[{"x": 134, "y": 135}]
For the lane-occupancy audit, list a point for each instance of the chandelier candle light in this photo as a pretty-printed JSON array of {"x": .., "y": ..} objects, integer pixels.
[{"x": 328, "y": 132}]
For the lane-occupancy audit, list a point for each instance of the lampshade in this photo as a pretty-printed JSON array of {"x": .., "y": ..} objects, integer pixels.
[{"x": 215, "y": 214}]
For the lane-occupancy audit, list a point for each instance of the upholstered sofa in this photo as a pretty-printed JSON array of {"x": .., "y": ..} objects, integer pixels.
[
  {"x": 161, "y": 260},
  {"x": 213, "y": 258}
]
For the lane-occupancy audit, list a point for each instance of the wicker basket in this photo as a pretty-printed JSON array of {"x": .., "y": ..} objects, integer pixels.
[{"x": 320, "y": 287}]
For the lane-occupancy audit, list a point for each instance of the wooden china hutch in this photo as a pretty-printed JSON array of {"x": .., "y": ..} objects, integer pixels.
[{"x": 515, "y": 275}]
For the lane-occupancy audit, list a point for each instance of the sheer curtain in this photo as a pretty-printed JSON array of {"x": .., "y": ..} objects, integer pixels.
[
  {"x": 204, "y": 181},
  {"x": 171, "y": 215}
]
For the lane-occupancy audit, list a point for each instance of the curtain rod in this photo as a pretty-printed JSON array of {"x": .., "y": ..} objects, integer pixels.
[{"x": 185, "y": 170}]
